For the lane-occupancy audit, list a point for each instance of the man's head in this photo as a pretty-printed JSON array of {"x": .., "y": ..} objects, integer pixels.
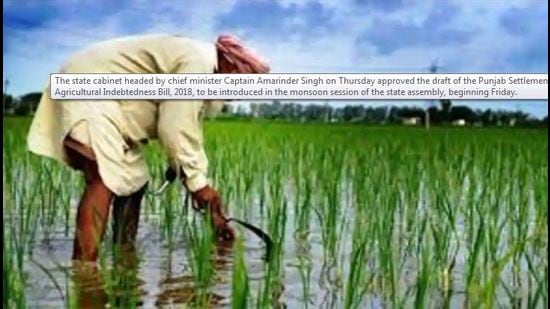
[{"x": 233, "y": 57}]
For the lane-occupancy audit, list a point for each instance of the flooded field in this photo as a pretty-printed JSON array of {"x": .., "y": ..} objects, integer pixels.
[{"x": 361, "y": 217}]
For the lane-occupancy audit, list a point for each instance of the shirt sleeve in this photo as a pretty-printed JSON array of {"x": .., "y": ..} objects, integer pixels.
[
  {"x": 180, "y": 133},
  {"x": 180, "y": 128}
]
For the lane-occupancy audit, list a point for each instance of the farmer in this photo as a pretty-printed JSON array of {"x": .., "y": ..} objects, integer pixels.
[{"x": 102, "y": 138}]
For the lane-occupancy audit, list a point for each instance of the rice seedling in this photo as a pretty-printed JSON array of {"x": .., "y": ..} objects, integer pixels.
[
  {"x": 240, "y": 290},
  {"x": 200, "y": 236},
  {"x": 13, "y": 276},
  {"x": 305, "y": 266},
  {"x": 360, "y": 217},
  {"x": 270, "y": 290}
]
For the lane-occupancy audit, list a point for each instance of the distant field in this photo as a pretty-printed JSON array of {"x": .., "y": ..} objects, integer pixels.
[{"x": 361, "y": 216}]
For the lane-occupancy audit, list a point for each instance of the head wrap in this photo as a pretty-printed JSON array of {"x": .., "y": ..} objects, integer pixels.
[{"x": 246, "y": 61}]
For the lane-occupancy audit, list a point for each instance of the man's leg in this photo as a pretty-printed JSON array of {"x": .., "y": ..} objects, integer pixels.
[
  {"x": 93, "y": 209},
  {"x": 126, "y": 211}
]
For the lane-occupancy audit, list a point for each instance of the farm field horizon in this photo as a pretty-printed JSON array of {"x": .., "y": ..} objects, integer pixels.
[{"x": 361, "y": 217}]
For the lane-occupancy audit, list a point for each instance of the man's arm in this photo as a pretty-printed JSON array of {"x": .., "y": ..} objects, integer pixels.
[{"x": 180, "y": 132}]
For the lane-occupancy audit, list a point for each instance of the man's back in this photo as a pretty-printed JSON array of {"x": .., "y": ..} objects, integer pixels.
[{"x": 147, "y": 54}]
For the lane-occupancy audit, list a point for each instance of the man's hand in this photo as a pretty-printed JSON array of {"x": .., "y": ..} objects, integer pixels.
[{"x": 208, "y": 197}]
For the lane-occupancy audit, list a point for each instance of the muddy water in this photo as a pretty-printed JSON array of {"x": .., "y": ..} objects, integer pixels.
[{"x": 157, "y": 276}]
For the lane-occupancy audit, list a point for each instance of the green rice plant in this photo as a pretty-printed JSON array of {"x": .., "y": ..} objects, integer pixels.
[
  {"x": 240, "y": 286},
  {"x": 304, "y": 266},
  {"x": 330, "y": 212},
  {"x": 423, "y": 278},
  {"x": 12, "y": 275},
  {"x": 269, "y": 291},
  {"x": 381, "y": 216},
  {"x": 356, "y": 283},
  {"x": 383, "y": 231},
  {"x": 200, "y": 237}
]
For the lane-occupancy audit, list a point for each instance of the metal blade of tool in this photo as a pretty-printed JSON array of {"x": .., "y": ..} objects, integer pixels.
[{"x": 258, "y": 232}]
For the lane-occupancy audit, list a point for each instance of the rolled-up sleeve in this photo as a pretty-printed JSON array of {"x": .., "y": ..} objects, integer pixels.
[{"x": 180, "y": 132}]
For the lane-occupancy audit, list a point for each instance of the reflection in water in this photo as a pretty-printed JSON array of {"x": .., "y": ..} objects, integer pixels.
[
  {"x": 88, "y": 287},
  {"x": 304, "y": 266},
  {"x": 160, "y": 277},
  {"x": 182, "y": 289},
  {"x": 118, "y": 287},
  {"x": 330, "y": 282}
]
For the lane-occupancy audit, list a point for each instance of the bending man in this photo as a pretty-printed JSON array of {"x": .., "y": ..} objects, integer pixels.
[{"x": 102, "y": 138}]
